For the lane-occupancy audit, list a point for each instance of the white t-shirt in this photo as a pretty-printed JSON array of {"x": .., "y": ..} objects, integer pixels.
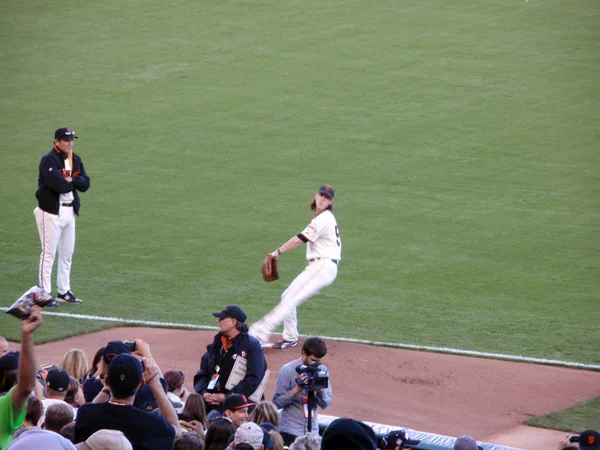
[
  {"x": 323, "y": 237},
  {"x": 51, "y": 401},
  {"x": 67, "y": 197}
]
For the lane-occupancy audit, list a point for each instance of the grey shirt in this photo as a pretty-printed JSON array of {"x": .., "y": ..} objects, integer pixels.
[{"x": 292, "y": 418}]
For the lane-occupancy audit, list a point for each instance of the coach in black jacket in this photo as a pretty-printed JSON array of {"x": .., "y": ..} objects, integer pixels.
[
  {"x": 231, "y": 343},
  {"x": 61, "y": 175}
]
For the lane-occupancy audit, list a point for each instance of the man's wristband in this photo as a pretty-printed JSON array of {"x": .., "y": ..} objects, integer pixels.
[
  {"x": 106, "y": 391},
  {"x": 152, "y": 377}
]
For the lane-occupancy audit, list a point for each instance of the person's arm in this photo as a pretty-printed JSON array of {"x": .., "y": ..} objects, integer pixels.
[
  {"x": 52, "y": 176},
  {"x": 291, "y": 244},
  {"x": 324, "y": 396},
  {"x": 151, "y": 378},
  {"x": 80, "y": 179},
  {"x": 142, "y": 349},
  {"x": 27, "y": 364},
  {"x": 286, "y": 389}
]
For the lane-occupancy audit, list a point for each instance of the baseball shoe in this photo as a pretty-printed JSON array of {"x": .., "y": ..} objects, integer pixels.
[
  {"x": 282, "y": 343},
  {"x": 68, "y": 297}
]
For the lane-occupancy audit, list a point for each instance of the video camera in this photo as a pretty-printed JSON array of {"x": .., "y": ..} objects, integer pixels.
[{"x": 317, "y": 379}]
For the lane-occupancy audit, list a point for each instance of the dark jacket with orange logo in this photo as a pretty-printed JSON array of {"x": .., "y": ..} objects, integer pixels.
[{"x": 52, "y": 182}]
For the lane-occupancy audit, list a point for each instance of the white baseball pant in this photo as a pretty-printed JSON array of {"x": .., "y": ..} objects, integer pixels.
[
  {"x": 57, "y": 232},
  {"x": 318, "y": 274}
]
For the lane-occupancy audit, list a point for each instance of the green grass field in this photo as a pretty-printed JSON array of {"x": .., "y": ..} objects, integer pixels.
[{"x": 461, "y": 137}]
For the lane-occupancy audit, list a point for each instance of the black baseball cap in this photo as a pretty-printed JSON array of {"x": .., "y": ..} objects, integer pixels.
[
  {"x": 58, "y": 380},
  {"x": 114, "y": 348},
  {"x": 328, "y": 190},
  {"x": 398, "y": 438},
  {"x": 232, "y": 311},
  {"x": 65, "y": 134},
  {"x": 589, "y": 439}
]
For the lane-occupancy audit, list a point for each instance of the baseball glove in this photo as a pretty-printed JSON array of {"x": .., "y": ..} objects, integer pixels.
[{"x": 269, "y": 269}]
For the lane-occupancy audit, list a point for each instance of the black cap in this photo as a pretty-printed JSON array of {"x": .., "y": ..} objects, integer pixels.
[
  {"x": 589, "y": 439},
  {"x": 232, "y": 311},
  {"x": 64, "y": 134},
  {"x": 327, "y": 189},
  {"x": 398, "y": 438},
  {"x": 58, "y": 380}
]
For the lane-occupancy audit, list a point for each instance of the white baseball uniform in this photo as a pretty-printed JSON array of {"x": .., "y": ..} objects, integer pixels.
[{"x": 323, "y": 252}]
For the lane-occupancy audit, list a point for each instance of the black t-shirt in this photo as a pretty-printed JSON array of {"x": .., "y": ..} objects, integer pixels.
[{"x": 144, "y": 430}]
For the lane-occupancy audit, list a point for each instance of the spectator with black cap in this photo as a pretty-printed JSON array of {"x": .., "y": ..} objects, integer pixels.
[
  {"x": 144, "y": 429},
  {"x": 61, "y": 176},
  {"x": 348, "y": 434},
  {"x": 235, "y": 407},
  {"x": 589, "y": 440},
  {"x": 232, "y": 346},
  {"x": 398, "y": 440}
]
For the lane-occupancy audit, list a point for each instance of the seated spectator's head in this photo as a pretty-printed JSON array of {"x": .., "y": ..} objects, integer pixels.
[
  {"x": 74, "y": 396},
  {"x": 278, "y": 440},
  {"x": 248, "y": 436},
  {"x": 466, "y": 443},
  {"x": 124, "y": 376},
  {"x": 106, "y": 440},
  {"x": 265, "y": 411},
  {"x": 76, "y": 363},
  {"x": 349, "y": 434},
  {"x": 195, "y": 408},
  {"x": 589, "y": 440},
  {"x": 189, "y": 441},
  {"x": 9, "y": 371},
  {"x": 175, "y": 380},
  {"x": 96, "y": 362},
  {"x": 68, "y": 431},
  {"x": 112, "y": 349},
  {"x": 3, "y": 346},
  {"x": 36, "y": 438},
  {"x": 57, "y": 416},
  {"x": 35, "y": 409},
  {"x": 307, "y": 442},
  {"x": 57, "y": 383},
  {"x": 398, "y": 440},
  {"x": 218, "y": 432},
  {"x": 235, "y": 407}
]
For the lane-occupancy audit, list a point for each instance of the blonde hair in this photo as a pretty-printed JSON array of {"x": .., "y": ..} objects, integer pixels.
[
  {"x": 277, "y": 440},
  {"x": 75, "y": 362},
  {"x": 264, "y": 411}
]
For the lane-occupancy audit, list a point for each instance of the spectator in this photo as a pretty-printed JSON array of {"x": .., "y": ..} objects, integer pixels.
[
  {"x": 194, "y": 412},
  {"x": 292, "y": 396},
  {"x": 232, "y": 346},
  {"x": 75, "y": 362},
  {"x": 189, "y": 441},
  {"x": 397, "y": 440},
  {"x": 218, "y": 433},
  {"x": 348, "y": 434},
  {"x": 68, "y": 432},
  {"x": 9, "y": 371},
  {"x": 106, "y": 440},
  {"x": 265, "y": 411},
  {"x": 3, "y": 346},
  {"x": 248, "y": 436},
  {"x": 145, "y": 430},
  {"x": 277, "y": 440},
  {"x": 589, "y": 440},
  {"x": 94, "y": 384},
  {"x": 466, "y": 443},
  {"x": 95, "y": 363},
  {"x": 309, "y": 441},
  {"x": 57, "y": 385},
  {"x": 74, "y": 395},
  {"x": 36, "y": 438},
  {"x": 57, "y": 416},
  {"x": 235, "y": 408},
  {"x": 13, "y": 405},
  {"x": 35, "y": 410},
  {"x": 176, "y": 392}
]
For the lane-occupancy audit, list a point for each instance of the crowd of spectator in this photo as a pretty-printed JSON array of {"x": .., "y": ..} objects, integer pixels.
[{"x": 123, "y": 400}]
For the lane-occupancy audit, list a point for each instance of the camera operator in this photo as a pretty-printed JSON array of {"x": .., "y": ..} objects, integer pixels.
[{"x": 302, "y": 385}]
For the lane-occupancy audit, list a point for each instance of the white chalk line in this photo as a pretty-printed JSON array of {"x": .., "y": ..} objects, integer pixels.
[{"x": 426, "y": 348}]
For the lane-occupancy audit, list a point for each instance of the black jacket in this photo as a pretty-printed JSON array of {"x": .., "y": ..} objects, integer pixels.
[
  {"x": 52, "y": 183},
  {"x": 244, "y": 346}
]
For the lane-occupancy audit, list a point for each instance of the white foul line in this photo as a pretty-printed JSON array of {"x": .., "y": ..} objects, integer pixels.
[{"x": 453, "y": 351}]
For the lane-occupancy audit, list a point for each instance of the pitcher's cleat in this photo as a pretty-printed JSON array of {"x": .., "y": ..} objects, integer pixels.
[{"x": 68, "y": 297}]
